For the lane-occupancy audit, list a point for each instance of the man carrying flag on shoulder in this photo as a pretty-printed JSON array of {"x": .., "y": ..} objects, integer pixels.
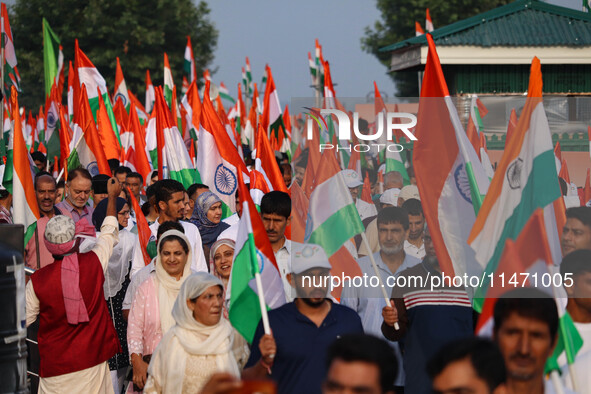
[{"x": 302, "y": 329}]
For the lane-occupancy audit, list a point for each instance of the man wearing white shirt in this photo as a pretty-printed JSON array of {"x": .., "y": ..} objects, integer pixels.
[
  {"x": 170, "y": 196},
  {"x": 353, "y": 181},
  {"x": 276, "y": 216},
  {"x": 391, "y": 260}
]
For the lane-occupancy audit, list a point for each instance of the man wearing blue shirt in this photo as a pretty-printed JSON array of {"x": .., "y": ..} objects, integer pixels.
[{"x": 294, "y": 355}]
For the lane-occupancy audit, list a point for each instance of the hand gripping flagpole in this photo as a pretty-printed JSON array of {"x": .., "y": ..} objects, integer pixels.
[
  {"x": 375, "y": 268},
  {"x": 256, "y": 264}
]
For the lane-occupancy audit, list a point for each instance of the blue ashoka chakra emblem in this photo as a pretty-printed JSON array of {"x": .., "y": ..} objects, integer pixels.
[
  {"x": 51, "y": 120},
  {"x": 122, "y": 98},
  {"x": 225, "y": 180},
  {"x": 93, "y": 168},
  {"x": 462, "y": 183},
  {"x": 261, "y": 261}
]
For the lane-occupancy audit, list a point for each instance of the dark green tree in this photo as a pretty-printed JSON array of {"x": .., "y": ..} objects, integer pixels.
[
  {"x": 398, "y": 23},
  {"x": 137, "y": 31}
]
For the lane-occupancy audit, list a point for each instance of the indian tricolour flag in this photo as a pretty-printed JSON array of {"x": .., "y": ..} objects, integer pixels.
[
  {"x": 225, "y": 93},
  {"x": 332, "y": 216},
  {"x": 192, "y": 106},
  {"x": 51, "y": 57},
  {"x": 52, "y": 105},
  {"x": 394, "y": 161},
  {"x": 254, "y": 272},
  {"x": 11, "y": 75},
  {"x": 168, "y": 82},
  {"x": 447, "y": 185},
  {"x": 524, "y": 181},
  {"x": 176, "y": 161},
  {"x": 120, "y": 88},
  {"x": 90, "y": 77},
  {"x": 86, "y": 149},
  {"x": 24, "y": 205},
  {"x": 150, "y": 96},
  {"x": 189, "y": 62},
  {"x": 272, "y": 120},
  {"x": 218, "y": 161}
]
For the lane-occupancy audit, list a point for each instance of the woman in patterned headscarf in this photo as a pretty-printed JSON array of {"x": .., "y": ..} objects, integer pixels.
[{"x": 207, "y": 216}]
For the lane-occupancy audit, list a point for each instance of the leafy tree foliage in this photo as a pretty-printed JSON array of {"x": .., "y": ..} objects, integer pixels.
[
  {"x": 398, "y": 23},
  {"x": 137, "y": 31}
]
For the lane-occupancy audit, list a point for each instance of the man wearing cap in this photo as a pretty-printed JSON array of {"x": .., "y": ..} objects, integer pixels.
[
  {"x": 353, "y": 181},
  {"x": 408, "y": 192},
  {"x": 293, "y": 356},
  {"x": 76, "y": 334},
  {"x": 389, "y": 198}
]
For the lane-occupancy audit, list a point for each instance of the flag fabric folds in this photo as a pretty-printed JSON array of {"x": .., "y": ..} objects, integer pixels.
[{"x": 253, "y": 253}]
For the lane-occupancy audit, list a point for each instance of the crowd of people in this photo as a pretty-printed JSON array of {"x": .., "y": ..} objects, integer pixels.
[{"x": 107, "y": 322}]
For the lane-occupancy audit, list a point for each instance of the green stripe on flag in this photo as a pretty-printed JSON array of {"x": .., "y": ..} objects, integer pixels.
[
  {"x": 30, "y": 232},
  {"x": 8, "y": 172},
  {"x": 332, "y": 235},
  {"x": 245, "y": 312},
  {"x": 537, "y": 193},
  {"x": 569, "y": 341},
  {"x": 475, "y": 194},
  {"x": 186, "y": 176}
]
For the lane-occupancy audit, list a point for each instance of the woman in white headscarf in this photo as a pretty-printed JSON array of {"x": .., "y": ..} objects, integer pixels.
[
  {"x": 221, "y": 256},
  {"x": 200, "y": 344},
  {"x": 150, "y": 315}
]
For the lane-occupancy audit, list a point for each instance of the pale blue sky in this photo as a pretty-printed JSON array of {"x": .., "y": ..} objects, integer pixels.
[{"x": 282, "y": 32}]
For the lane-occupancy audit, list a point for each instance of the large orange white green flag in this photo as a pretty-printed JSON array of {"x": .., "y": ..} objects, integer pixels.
[
  {"x": 218, "y": 161},
  {"x": 24, "y": 205},
  {"x": 524, "y": 181},
  {"x": 254, "y": 271},
  {"x": 173, "y": 158},
  {"x": 86, "y": 149},
  {"x": 89, "y": 76},
  {"x": 445, "y": 184},
  {"x": 332, "y": 216},
  {"x": 272, "y": 120}
]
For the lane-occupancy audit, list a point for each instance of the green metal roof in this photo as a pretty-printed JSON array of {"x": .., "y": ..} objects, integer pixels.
[{"x": 521, "y": 23}]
